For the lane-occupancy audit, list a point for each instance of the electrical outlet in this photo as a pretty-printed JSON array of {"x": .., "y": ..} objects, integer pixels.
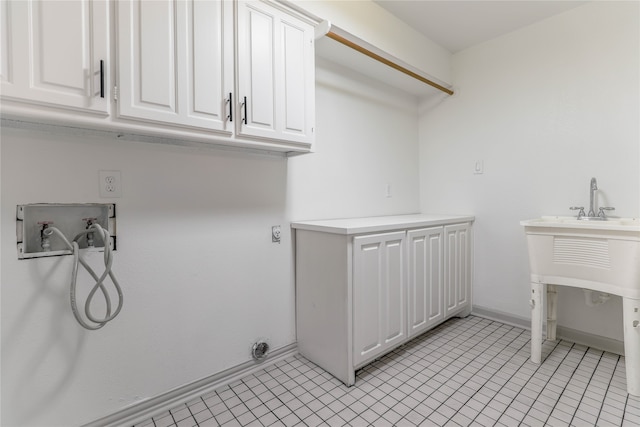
[
  {"x": 110, "y": 184},
  {"x": 276, "y": 233}
]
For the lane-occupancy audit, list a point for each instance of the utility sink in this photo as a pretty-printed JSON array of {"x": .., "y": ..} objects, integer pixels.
[{"x": 601, "y": 255}]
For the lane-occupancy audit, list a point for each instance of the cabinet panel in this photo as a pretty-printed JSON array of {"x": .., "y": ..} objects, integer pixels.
[
  {"x": 147, "y": 63},
  {"x": 293, "y": 79},
  {"x": 154, "y": 62},
  {"x": 52, "y": 51},
  {"x": 276, "y": 74},
  {"x": 258, "y": 31},
  {"x": 207, "y": 95},
  {"x": 394, "y": 298},
  {"x": 368, "y": 306},
  {"x": 425, "y": 279},
  {"x": 175, "y": 62},
  {"x": 457, "y": 262},
  {"x": 379, "y": 294}
]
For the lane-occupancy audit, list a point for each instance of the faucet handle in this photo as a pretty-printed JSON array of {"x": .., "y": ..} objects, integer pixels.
[
  {"x": 605, "y": 208},
  {"x": 580, "y": 210}
]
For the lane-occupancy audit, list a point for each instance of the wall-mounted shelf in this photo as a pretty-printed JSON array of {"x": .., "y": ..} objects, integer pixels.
[{"x": 339, "y": 46}]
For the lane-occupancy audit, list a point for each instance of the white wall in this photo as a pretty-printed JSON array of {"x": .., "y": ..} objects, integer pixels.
[
  {"x": 367, "y": 136},
  {"x": 546, "y": 108},
  {"x": 200, "y": 275}
]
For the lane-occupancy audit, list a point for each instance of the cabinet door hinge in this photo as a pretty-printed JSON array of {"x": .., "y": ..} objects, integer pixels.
[{"x": 115, "y": 93}]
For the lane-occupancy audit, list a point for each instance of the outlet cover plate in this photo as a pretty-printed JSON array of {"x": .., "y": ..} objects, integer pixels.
[{"x": 110, "y": 183}]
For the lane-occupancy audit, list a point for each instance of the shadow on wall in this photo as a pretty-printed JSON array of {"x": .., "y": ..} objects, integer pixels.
[{"x": 63, "y": 341}]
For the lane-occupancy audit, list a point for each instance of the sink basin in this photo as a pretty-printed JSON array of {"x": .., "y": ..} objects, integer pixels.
[
  {"x": 623, "y": 224},
  {"x": 599, "y": 255}
]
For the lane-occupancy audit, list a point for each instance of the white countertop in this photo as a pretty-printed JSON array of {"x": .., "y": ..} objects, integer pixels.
[{"x": 379, "y": 223}]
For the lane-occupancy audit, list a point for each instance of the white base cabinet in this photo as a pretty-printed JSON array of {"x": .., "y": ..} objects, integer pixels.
[{"x": 364, "y": 286}]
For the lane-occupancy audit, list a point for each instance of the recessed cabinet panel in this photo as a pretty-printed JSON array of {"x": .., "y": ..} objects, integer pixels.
[
  {"x": 367, "y": 303},
  {"x": 51, "y": 71},
  {"x": 257, "y": 27},
  {"x": 206, "y": 79},
  {"x": 154, "y": 44},
  {"x": 52, "y": 53},
  {"x": 148, "y": 68},
  {"x": 457, "y": 274},
  {"x": 425, "y": 279},
  {"x": 261, "y": 96},
  {"x": 394, "y": 296},
  {"x": 294, "y": 79},
  {"x": 464, "y": 270}
]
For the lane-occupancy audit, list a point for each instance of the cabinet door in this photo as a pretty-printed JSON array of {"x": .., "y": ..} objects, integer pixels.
[
  {"x": 175, "y": 62},
  {"x": 52, "y": 53},
  {"x": 457, "y": 268},
  {"x": 379, "y": 301},
  {"x": 275, "y": 74},
  {"x": 424, "y": 299}
]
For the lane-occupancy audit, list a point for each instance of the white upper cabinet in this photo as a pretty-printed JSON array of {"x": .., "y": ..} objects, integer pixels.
[
  {"x": 276, "y": 74},
  {"x": 176, "y": 66},
  {"x": 182, "y": 69},
  {"x": 175, "y": 62},
  {"x": 56, "y": 53}
]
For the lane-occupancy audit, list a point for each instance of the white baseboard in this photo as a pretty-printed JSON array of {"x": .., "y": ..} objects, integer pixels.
[
  {"x": 499, "y": 316},
  {"x": 579, "y": 337},
  {"x": 590, "y": 340},
  {"x": 141, "y": 411}
]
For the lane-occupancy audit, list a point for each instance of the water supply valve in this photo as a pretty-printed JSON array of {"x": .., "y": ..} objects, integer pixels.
[
  {"x": 33, "y": 220},
  {"x": 90, "y": 222},
  {"x": 45, "y": 243}
]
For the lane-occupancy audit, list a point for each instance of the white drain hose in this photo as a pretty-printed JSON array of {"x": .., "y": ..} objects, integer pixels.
[{"x": 78, "y": 259}]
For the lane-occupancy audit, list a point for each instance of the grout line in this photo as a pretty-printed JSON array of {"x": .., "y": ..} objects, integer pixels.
[{"x": 608, "y": 385}]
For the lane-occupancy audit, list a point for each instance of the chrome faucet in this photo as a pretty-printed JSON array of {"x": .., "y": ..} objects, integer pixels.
[
  {"x": 592, "y": 201},
  {"x": 591, "y": 215}
]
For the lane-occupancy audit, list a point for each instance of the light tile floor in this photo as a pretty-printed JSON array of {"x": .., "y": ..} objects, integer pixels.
[{"x": 465, "y": 372}]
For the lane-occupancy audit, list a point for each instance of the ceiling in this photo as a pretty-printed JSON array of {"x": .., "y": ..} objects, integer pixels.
[{"x": 458, "y": 24}]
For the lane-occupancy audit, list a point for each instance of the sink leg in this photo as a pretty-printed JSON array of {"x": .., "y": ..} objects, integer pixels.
[
  {"x": 552, "y": 311},
  {"x": 631, "y": 320},
  {"x": 537, "y": 298}
]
